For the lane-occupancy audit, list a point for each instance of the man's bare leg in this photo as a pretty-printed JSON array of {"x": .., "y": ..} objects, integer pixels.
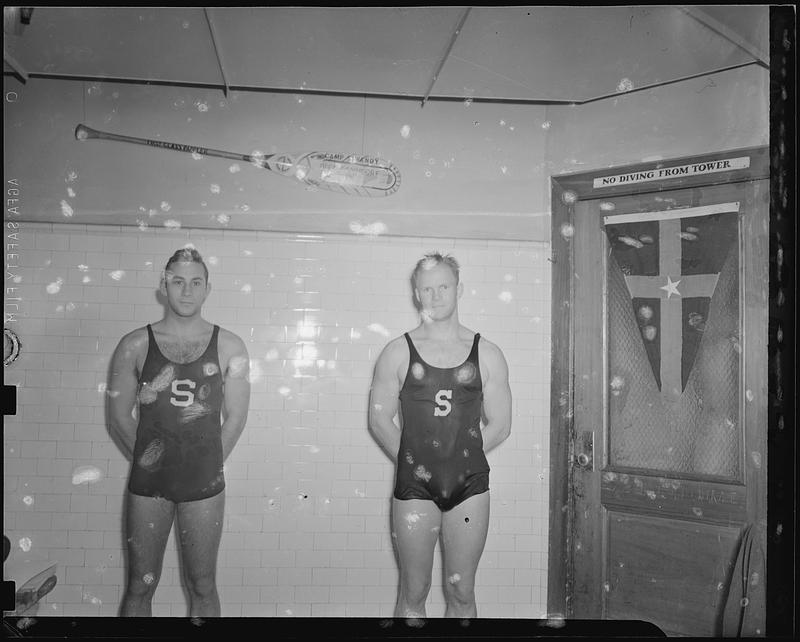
[
  {"x": 148, "y": 522},
  {"x": 464, "y": 530},
  {"x": 415, "y": 528},
  {"x": 199, "y": 527}
]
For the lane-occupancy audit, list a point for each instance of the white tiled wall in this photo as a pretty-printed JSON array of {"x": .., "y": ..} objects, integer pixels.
[{"x": 306, "y": 529}]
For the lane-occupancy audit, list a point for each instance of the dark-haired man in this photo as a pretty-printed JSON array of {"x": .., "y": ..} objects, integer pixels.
[{"x": 187, "y": 382}]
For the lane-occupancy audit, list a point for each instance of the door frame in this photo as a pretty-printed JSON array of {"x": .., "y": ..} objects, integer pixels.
[{"x": 566, "y": 190}]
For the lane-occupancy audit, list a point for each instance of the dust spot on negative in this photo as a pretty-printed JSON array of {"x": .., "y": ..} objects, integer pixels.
[
  {"x": 697, "y": 321},
  {"x": 413, "y": 517},
  {"x": 627, "y": 240},
  {"x": 455, "y": 578},
  {"x": 617, "y": 383},
  {"x": 421, "y": 474},
  {"x": 649, "y": 332},
  {"x": 210, "y": 369},
  {"x": 466, "y": 373},
  {"x": 148, "y": 578},
  {"x": 473, "y": 433},
  {"x": 152, "y": 454},
  {"x": 194, "y": 412},
  {"x": 204, "y": 391},
  {"x": 645, "y": 313},
  {"x": 378, "y": 329},
  {"x": 86, "y": 475},
  {"x": 626, "y": 84},
  {"x": 237, "y": 366},
  {"x": 371, "y": 229},
  {"x": 435, "y": 443},
  {"x": 409, "y": 457},
  {"x": 147, "y": 395},
  {"x": 688, "y": 236},
  {"x": 55, "y": 286},
  {"x": 417, "y": 371},
  {"x": 164, "y": 378},
  {"x": 429, "y": 263}
]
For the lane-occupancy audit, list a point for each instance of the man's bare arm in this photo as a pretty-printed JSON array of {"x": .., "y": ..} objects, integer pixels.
[
  {"x": 496, "y": 396},
  {"x": 236, "y": 400},
  {"x": 384, "y": 402},
  {"x": 121, "y": 390}
]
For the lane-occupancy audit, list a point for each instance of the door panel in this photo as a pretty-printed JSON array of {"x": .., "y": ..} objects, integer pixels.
[
  {"x": 674, "y": 570},
  {"x": 668, "y": 448}
]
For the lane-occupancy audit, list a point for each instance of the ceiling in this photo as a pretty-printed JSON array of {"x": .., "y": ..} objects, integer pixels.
[{"x": 542, "y": 55}]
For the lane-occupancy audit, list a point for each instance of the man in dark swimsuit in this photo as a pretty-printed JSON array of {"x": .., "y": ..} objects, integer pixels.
[
  {"x": 451, "y": 388},
  {"x": 187, "y": 381}
]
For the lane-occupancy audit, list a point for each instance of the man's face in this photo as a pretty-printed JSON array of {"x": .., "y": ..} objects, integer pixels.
[
  {"x": 437, "y": 292},
  {"x": 184, "y": 284}
]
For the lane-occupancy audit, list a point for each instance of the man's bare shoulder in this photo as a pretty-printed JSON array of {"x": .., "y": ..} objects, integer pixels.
[
  {"x": 231, "y": 341},
  {"x": 135, "y": 342},
  {"x": 394, "y": 353},
  {"x": 490, "y": 351}
]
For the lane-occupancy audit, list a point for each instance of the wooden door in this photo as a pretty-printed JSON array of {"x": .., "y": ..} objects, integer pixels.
[{"x": 665, "y": 461}]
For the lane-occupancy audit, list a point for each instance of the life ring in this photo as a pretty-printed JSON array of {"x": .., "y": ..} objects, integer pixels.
[{"x": 11, "y": 346}]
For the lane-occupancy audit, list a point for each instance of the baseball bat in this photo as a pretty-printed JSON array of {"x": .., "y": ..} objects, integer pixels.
[{"x": 354, "y": 174}]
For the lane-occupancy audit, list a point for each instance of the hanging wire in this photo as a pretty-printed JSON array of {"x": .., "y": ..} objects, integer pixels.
[{"x": 363, "y": 124}]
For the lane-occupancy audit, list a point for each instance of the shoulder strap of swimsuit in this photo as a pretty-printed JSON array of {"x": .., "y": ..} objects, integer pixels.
[
  {"x": 213, "y": 346},
  {"x": 473, "y": 354},
  {"x": 152, "y": 346},
  {"x": 153, "y": 354},
  {"x": 411, "y": 348}
]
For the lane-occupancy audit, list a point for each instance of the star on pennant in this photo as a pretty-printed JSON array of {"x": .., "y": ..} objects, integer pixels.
[{"x": 671, "y": 287}]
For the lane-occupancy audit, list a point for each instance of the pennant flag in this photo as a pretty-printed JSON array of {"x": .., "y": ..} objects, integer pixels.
[{"x": 671, "y": 261}]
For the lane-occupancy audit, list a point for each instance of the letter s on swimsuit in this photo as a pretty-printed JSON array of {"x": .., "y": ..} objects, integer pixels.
[
  {"x": 188, "y": 397},
  {"x": 443, "y": 405}
]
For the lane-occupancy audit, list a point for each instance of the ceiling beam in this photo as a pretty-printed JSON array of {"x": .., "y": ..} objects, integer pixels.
[
  {"x": 729, "y": 34},
  {"x": 15, "y": 65},
  {"x": 663, "y": 83},
  {"x": 216, "y": 51},
  {"x": 457, "y": 31},
  {"x": 377, "y": 95}
]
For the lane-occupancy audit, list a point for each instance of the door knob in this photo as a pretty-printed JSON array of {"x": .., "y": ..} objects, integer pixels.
[{"x": 584, "y": 449}]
